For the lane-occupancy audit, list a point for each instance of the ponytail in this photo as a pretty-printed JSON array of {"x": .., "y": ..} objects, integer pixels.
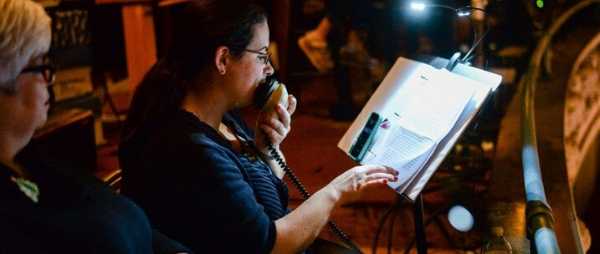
[{"x": 158, "y": 95}]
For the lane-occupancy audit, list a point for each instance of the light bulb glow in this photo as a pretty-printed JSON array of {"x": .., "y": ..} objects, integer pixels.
[
  {"x": 417, "y": 6},
  {"x": 463, "y": 13}
]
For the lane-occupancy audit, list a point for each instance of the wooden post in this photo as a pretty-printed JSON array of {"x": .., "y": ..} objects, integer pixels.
[
  {"x": 140, "y": 41},
  {"x": 280, "y": 29}
]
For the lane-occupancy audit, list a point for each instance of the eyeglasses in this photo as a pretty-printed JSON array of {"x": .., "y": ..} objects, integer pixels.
[
  {"x": 47, "y": 71},
  {"x": 265, "y": 58}
]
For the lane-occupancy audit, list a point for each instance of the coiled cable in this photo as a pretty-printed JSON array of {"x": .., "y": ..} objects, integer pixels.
[{"x": 305, "y": 194}]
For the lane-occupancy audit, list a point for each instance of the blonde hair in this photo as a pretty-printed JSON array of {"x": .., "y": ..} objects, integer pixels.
[{"x": 24, "y": 34}]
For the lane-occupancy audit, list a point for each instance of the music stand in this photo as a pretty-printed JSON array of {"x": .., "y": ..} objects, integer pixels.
[{"x": 380, "y": 103}]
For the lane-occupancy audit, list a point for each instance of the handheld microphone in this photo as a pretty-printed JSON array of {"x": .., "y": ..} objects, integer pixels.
[{"x": 268, "y": 94}]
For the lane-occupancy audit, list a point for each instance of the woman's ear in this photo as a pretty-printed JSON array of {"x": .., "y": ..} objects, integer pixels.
[{"x": 222, "y": 59}]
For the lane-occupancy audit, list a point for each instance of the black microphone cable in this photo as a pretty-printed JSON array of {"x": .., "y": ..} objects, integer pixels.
[{"x": 305, "y": 194}]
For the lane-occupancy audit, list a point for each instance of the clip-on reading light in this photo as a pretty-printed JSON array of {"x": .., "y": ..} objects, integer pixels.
[{"x": 464, "y": 11}]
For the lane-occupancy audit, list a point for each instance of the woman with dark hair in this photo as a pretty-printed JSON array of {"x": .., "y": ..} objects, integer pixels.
[
  {"x": 45, "y": 210},
  {"x": 191, "y": 162}
]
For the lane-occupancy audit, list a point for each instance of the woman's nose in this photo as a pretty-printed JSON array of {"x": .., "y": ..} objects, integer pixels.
[{"x": 269, "y": 69}]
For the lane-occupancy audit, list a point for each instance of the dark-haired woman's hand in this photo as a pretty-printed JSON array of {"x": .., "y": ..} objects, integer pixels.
[
  {"x": 350, "y": 184},
  {"x": 274, "y": 126}
]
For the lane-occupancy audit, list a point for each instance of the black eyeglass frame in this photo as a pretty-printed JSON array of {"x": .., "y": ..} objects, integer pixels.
[
  {"x": 267, "y": 55},
  {"x": 48, "y": 71}
]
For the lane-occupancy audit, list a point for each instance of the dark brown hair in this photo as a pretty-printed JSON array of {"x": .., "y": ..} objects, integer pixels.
[{"x": 199, "y": 28}]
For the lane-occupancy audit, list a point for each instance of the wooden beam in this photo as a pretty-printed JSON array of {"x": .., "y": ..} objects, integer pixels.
[
  {"x": 99, "y": 2},
  {"x": 140, "y": 41},
  {"x": 280, "y": 27}
]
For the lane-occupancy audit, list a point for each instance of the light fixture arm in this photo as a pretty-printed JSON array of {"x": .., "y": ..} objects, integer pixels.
[
  {"x": 470, "y": 8},
  {"x": 443, "y": 6},
  {"x": 461, "y": 12}
]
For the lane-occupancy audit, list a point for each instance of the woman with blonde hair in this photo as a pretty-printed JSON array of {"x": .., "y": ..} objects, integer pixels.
[{"x": 42, "y": 210}]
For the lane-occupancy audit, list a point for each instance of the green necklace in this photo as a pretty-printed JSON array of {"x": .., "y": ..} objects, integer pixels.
[{"x": 29, "y": 188}]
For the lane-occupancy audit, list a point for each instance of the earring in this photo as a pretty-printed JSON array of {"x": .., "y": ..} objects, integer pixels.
[{"x": 222, "y": 72}]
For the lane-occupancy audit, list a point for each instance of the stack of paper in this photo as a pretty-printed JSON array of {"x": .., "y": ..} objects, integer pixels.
[{"x": 422, "y": 111}]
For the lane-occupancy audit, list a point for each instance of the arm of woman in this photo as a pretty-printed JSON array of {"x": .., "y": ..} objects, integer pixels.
[
  {"x": 299, "y": 228},
  {"x": 234, "y": 215}
]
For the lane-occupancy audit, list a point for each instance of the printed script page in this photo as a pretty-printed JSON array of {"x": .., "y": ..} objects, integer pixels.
[
  {"x": 431, "y": 105},
  {"x": 399, "y": 148},
  {"x": 423, "y": 112}
]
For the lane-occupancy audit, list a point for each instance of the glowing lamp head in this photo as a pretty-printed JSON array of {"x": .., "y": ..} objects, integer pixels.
[
  {"x": 463, "y": 13},
  {"x": 417, "y": 6}
]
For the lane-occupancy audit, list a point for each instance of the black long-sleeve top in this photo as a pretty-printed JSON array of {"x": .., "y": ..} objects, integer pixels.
[
  {"x": 74, "y": 214},
  {"x": 196, "y": 188}
]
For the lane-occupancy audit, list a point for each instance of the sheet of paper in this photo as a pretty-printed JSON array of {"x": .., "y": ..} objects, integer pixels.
[
  {"x": 400, "y": 148},
  {"x": 445, "y": 145},
  {"x": 383, "y": 100},
  {"x": 432, "y": 102}
]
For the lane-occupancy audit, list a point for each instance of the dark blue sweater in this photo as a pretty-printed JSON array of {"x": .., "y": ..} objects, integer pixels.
[{"x": 199, "y": 190}]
